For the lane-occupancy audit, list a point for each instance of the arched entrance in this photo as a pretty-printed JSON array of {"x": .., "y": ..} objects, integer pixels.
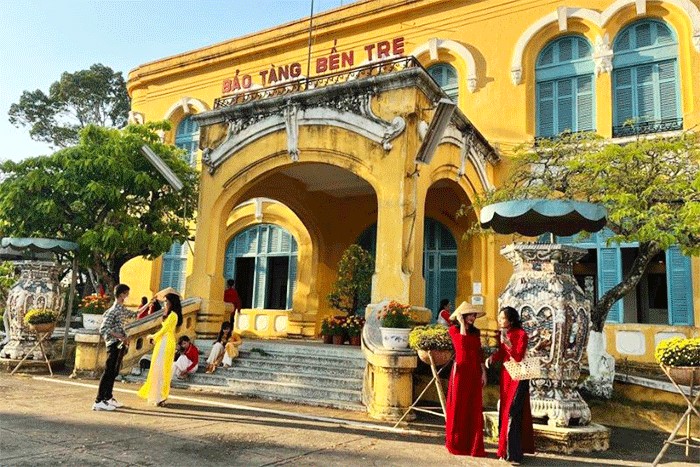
[
  {"x": 439, "y": 265},
  {"x": 263, "y": 262}
]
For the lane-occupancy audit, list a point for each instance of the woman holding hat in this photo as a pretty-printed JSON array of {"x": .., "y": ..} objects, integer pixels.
[
  {"x": 516, "y": 435},
  {"x": 464, "y": 421}
]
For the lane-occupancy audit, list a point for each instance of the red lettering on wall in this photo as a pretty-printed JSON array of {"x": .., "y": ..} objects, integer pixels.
[
  {"x": 321, "y": 65},
  {"x": 348, "y": 59},
  {"x": 398, "y": 46},
  {"x": 383, "y": 48},
  {"x": 333, "y": 61},
  {"x": 369, "y": 49},
  {"x": 295, "y": 70}
]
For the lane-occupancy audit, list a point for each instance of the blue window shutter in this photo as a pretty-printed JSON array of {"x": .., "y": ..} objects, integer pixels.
[
  {"x": 230, "y": 260},
  {"x": 565, "y": 105},
  {"x": 545, "y": 109},
  {"x": 646, "y": 109},
  {"x": 445, "y": 76},
  {"x": 292, "y": 280},
  {"x": 680, "y": 288},
  {"x": 584, "y": 104},
  {"x": 668, "y": 90},
  {"x": 260, "y": 282},
  {"x": 609, "y": 275},
  {"x": 623, "y": 99},
  {"x": 173, "y": 273}
]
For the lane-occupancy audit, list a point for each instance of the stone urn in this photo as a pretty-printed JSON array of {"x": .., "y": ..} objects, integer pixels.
[
  {"x": 555, "y": 313},
  {"x": 38, "y": 287}
]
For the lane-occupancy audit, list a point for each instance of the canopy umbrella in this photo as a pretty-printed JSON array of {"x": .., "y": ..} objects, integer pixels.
[
  {"x": 42, "y": 249},
  {"x": 533, "y": 217}
]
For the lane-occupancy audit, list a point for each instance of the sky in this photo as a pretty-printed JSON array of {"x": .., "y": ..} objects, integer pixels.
[{"x": 40, "y": 39}]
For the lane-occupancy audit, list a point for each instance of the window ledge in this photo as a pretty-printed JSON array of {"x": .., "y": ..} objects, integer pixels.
[{"x": 630, "y": 139}]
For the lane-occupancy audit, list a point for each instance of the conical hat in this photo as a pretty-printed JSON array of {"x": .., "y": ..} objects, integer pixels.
[
  {"x": 161, "y": 295},
  {"x": 464, "y": 309}
]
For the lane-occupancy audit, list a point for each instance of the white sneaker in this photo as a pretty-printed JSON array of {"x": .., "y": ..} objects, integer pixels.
[
  {"x": 115, "y": 403},
  {"x": 102, "y": 405}
]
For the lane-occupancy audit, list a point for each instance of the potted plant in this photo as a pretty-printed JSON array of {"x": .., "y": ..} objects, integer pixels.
[
  {"x": 395, "y": 325},
  {"x": 354, "y": 325},
  {"x": 92, "y": 307},
  {"x": 431, "y": 340},
  {"x": 351, "y": 291},
  {"x": 680, "y": 356},
  {"x": 38, "y": 320},
  {"x": 326, "y": 331},
  {"x": 337, "y": 330}
]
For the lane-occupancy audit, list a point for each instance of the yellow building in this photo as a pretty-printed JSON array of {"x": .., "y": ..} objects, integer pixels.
[{"x": 295, "y": 168}]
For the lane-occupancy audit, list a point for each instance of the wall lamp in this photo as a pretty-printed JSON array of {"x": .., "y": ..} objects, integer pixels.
[
  {"x": 163, "y": 168},
  {"x": 441, "y": 118}
]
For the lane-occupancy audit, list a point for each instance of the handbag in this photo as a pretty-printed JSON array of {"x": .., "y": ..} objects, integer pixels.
[{"x": 527, "y": 368}]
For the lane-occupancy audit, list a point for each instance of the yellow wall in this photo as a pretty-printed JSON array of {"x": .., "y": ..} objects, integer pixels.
[{"x": 489, "y": 31}]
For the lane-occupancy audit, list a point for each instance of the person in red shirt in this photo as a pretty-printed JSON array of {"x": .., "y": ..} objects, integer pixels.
[
  {"x": 188, "y": 360},
  {"x": 444, "y": 313},
  {"x": 231, "y": 296}
]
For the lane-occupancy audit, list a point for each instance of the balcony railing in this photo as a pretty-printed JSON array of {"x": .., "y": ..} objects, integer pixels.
[
  {"x": 645, "y": 128},
  {"x": 303, "y": 84}
]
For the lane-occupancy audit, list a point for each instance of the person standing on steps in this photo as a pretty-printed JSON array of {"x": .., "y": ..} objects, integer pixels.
[
  {"x": 112, "y": 331},
  {"x": 231, "y": 296}
]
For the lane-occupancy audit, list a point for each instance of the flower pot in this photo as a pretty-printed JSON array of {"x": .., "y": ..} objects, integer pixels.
[
  {"x": 684, "y": 374},
  {"x": 327, "y": 339},
  {"x": 355, "y": 340},
  {"x": 43, "y": 328},
  {"x": 395, "y": 338},
  {"x": 338, "y": 339},
  {"x": 92, "y": 321},
  {"x": 440, "y": 357}
]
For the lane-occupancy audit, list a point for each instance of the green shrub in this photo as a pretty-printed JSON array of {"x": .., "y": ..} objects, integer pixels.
[{"x": 396, "y": 315}]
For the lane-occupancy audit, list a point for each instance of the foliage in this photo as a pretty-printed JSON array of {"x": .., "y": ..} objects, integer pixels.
[
  {"x": 8, "y": 277},
  {"x": 678, "y": 351},
  {"x": 103, "y": 194},
  {"x": 351, "y": 290},
  {"x": 326, "y": 327},
  {"x": 353, "y": 325},
  {"x": 430, "y": 337},
  {"x": 95, "y": 304},
  {"x": 395, "y": 315},
  {"x": 95, "y": 96},
  {"x": 38, "y": 316},
  {"x": 650, "y": 187}
]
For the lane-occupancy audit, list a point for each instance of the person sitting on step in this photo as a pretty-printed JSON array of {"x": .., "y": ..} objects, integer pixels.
[
  {"x": 225, "y": 348},
  {"x": 188, "y": 360}
]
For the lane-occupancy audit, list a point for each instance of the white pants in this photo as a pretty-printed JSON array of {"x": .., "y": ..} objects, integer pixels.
[
  {"x": 181, "y": 366},
  {"x": 216, "y": 351}
]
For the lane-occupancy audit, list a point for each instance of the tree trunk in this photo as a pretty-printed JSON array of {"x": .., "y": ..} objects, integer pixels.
[{"x": 600, "y": 310}]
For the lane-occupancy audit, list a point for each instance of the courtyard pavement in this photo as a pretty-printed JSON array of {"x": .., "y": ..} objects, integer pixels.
[{"x": 49, "y": 421}]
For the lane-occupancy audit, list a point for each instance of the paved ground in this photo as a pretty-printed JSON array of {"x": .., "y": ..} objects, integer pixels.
[{"x": 48, "y": 421}]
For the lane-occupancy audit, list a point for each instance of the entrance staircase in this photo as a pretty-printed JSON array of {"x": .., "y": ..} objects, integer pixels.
[{"x": 302, "y": 372}]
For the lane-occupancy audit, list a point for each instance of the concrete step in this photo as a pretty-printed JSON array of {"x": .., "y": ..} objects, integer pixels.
[
  {"x": 321, "y": 367},
  {"x": 284, "y": 391},
  {"x": 338, "y": 381}
]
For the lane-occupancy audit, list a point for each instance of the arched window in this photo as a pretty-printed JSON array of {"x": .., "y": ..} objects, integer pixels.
[
  {"x": 174, "y": 267},
  {"x": 263, "y": 262},
  {"x": 645, "y": 79},
  {"x": 564, "y": 94},
  {"x": 187, "y": 138},
  {"x": 439, "y": 265},
  {"x": 446, "y": 76}
]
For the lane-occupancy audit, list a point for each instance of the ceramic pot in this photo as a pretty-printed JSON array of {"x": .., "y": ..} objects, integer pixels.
[{"x": 395, "y": 338}]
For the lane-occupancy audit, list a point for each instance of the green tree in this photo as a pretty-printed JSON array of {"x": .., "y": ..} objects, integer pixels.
[
  {"x": 103, "y": 194},
  {"x": 95, "y": 96},
  {"x": 650, "y": 187},
  {"x": 351, "y": 291}
]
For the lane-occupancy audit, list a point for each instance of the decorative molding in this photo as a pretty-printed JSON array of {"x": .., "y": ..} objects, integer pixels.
[
  {"x": 603, "y": 55},
  {"x": 469, "y": 151},
  {"x": 352, "y": 112},
  {"x": 600, "y": 19},
  {"x": 434, "y": 44},
  {"x": 135, "y": 118},
  {"x": 185, "y": 104}
]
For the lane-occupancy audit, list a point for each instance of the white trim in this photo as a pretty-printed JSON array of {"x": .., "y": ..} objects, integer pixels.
[
  {"x": 432, "y": 46},
  {"x": 184, "y": 104},
  {"x": 562, "y": 14}
]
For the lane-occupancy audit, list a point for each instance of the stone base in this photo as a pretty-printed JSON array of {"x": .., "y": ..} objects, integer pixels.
[{"x": 566, "y": 440}]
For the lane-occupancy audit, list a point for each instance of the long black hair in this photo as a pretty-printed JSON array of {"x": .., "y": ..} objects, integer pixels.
[
  {"x": 512, "y": 316},
  {"x": 443, "y": 303},
  {"x": 224, "y": 326},
  {"x": 175, "y": 306}
]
